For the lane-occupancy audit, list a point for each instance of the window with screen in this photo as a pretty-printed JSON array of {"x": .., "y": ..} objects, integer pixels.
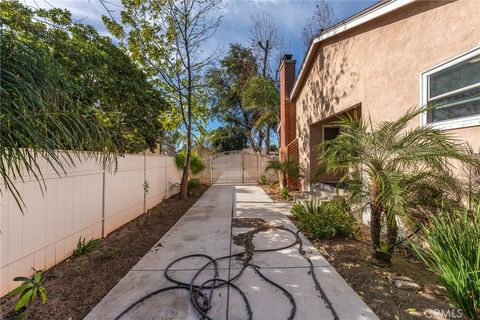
[{"x": 454, "y": 90}]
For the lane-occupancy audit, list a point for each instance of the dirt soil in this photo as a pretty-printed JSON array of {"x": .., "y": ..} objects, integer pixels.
[
  {"x": 81, "y": 282},
  {"x": 273, "y": 192},
  {"x": 351, "y": 259}
]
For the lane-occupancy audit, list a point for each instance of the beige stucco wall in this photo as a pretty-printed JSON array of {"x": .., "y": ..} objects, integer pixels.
[{"x": 378, "y": 65}]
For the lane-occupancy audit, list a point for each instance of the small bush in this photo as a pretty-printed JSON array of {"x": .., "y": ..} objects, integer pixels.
[
  {"x": 285, "y": 193},
  {"x": 196, "y": 163},
  {"x": 193, "y": 184},
  {"x": 264, "y": 180},
  {"x": 84, "y": 247},
  {"x": 325, "y": 219},
  {"x": 454, "y": 256}
]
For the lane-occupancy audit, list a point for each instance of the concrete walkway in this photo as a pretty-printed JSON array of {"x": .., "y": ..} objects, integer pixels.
[{"x": 216, "y": 226}]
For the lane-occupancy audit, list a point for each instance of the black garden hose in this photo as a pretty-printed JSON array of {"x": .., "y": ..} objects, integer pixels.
[{"x": 201, "y": 295}]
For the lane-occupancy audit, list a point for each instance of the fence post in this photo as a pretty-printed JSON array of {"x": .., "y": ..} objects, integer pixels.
[
  {"x": 243, "y": 167},
  {"x": 144, "y": 182},
  {"x": 210, "y": 169},
  {"x": 166, "y": 176},
  {"x": 103, "y": 200},
  {"x": 258, "y": 160}
]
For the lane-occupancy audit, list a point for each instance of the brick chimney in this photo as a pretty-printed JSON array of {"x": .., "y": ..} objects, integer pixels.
[{"x": 287, "y": 135}]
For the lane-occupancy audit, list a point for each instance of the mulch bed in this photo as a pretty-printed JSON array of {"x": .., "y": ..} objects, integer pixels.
[
  {"x": 351, "y": 259},
  {"x": 81, "y": 282}
]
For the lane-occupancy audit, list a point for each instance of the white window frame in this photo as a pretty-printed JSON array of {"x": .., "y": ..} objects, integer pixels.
[{"x": 463, "y": 122}]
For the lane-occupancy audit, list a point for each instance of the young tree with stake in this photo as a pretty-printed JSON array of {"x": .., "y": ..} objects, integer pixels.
[{"x": 167, "y": 38}]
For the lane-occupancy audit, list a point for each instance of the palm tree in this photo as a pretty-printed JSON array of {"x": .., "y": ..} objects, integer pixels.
[
  {"x": 287, "y": 168},
  {"x": 261, "y": 96},
  {"x": 394, "y": 170}
]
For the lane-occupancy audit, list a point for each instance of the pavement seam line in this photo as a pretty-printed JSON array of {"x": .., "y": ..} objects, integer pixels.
[{"x": 230, "y": 253}]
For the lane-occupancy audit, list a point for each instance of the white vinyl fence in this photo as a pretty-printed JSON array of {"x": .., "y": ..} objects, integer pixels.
[{"x": 86, "y": 202}]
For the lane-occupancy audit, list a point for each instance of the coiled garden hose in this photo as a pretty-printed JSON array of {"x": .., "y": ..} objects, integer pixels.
[{"x": 201, "y": 295}]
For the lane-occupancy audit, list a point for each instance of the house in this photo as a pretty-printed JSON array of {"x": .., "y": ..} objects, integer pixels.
[{"x": 392, "y": 56}]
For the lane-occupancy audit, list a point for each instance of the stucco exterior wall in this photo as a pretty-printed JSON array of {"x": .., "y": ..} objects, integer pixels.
[{"x": 378, "y": 65}]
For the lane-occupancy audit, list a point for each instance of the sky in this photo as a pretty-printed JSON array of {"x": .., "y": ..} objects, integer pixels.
[{"x": 289, "y": 15}]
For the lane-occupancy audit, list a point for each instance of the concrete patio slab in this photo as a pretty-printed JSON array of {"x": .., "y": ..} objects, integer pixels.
[
  {"x": 286, "y": 258},
  {"x": 215, "y": 226},
  {"x": 270, "y": 303},
  {"x": 250, "y": 194},
  {"x": 166, "y": 305}
]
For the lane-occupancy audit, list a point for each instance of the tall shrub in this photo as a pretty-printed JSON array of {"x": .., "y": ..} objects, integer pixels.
[{"x": 325, "y": 219}]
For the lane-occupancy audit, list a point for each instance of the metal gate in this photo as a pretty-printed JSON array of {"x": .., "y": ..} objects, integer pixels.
[{"x": 235, "y": 167}]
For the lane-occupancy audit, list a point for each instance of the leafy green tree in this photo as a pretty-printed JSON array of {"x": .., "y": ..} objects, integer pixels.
[
  {"x": 228, "y": 138},
  {"x": 396, "y": 171},
  {"x": 103, "y": 77},
  {"x": 119, "y": 92},
  {"x": 167, "y": 38},
  {"x": 39, "y": 110},
  {"x": 260, "y": 95},
  {"x": 227, "y": 84}
]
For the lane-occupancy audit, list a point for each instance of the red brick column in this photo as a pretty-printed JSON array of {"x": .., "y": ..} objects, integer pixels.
[{"x": 288, "y": 139}]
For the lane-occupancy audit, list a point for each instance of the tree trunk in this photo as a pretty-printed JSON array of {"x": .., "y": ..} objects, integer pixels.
[
  {"x": 375, "y": 229},
  {"x": 267, "y": 140},
  {"x": 379, "y": 255},
  {"x": 392, "y": 233},
  {"x": 284, "y": 180},
  {"x": 251, "y": 139},
  {"x": 265, "y": 58},
  {"x": 186, "y": 167},
  {"x": 376, "y": 210}
]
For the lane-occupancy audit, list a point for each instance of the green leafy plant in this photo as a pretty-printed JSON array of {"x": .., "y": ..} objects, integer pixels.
[
  {"x": 264, "y": 180},
  {"x": 325, "y": 219},
  {"x": 77, "y": 269},
  {"x": 84, "y": 247},
  {"x": 287, "y": 168},
  {"x": 112, "y": 251},
  {"x": 194, "y": 184},
  {"x": 453, "y": 254},
  {"x": 196, "y": 163},
  {"x": 285, "y": 193},
  {"x": 31, "y": 289},
  {"x": 395, "y": 171}
]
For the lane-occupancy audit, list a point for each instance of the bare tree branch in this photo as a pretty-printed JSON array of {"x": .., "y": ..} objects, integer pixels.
[
  {"x": 264, "y": 37},
  {"x": 323, "y": 17}
]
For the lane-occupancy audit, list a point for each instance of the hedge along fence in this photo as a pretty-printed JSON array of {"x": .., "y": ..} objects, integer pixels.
[{"x": 86, "y": 202}]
